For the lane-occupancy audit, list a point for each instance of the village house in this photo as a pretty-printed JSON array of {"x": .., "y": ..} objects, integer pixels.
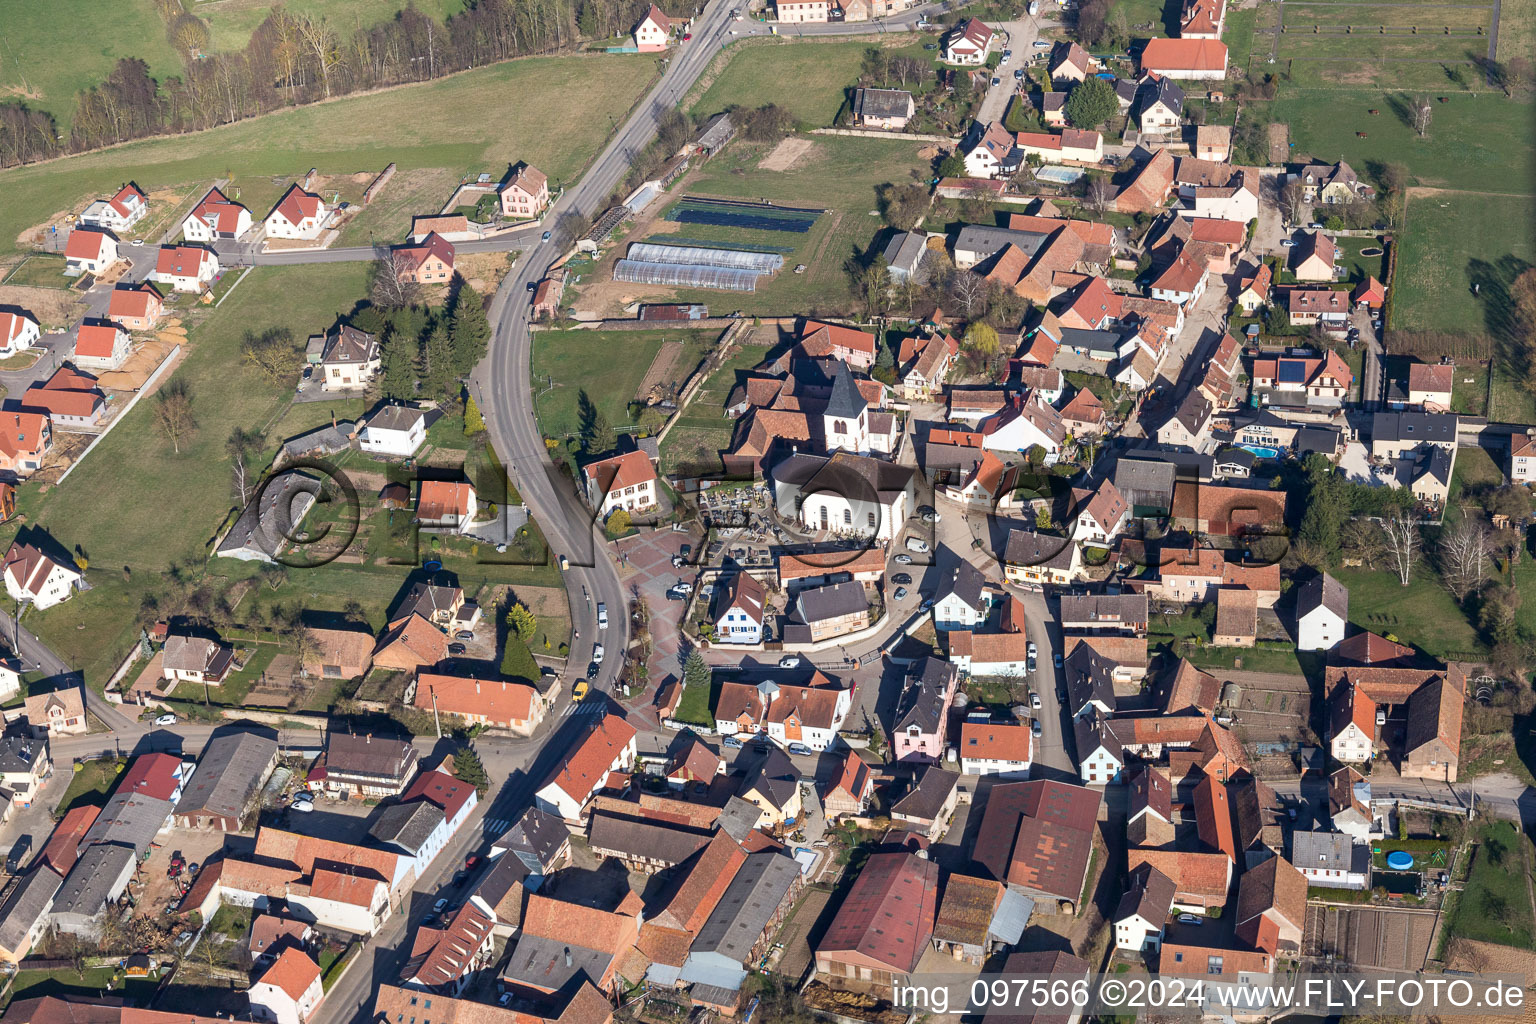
[
  {"x": 1213, "y": 141},
  {"x": 1313, "y": 257},
  {"x": 1068, "y": 64},
  {"x": 1322, "y": 613},
  {"x": 1394, "y": 434},
  {"x": 1202, "y": 19},
  {"x": 1323, "y": 381},
  {"x": 969, "y": 43},
  {"x": 514, "y": 706},
  {"x": 427, "y": 262},
  {"x": 1414, "y": 713},
  {"x": 216, "y": 218},
  {"x": 26, "y": 764},
  {"x": 367, "y": 765},
  {"x": 99, "y": 345},
  {"x": 1254, "y": 294},
  {"x": 35, "y": 578},
  {"x": 626, "y": 481},
  {"x": 525, "y": 194},
  {"x": 1037, "y": 837},
  {"x": 609, "y": 746},
  {"x": 883, "y": 926},
  {"x": 993, "y": 748},
  {"x": 1272, "y": 907},
  {"x": 196, "y": 659},
  {"x": 125, "y": 209},
  {"x": 1070, "y": 145},
  {"x": 136, "y": 307},
  {"x": 1522, "y": 458},
  {"x": 848, "y": 791},
  {"x": 799, "y": 12},
  {"x": 654, "y": 33},
  {"x": 882, "y": 108},
  {"x": 1032, "y": 558},
  {"x": 19, "y": 331},
  {"x": 922, "y": 712},
  {"x": 339, "y": 653},
  {"x": 1430, "y": 386},
  {"x": 230, "y": 773},
  {"x": 928, "y": 807},
  {"x": 57, "y": 712},
  {"x": 1332, "y": 184},
  {"x": 289, "y": 991},
  {"x": 297, "y": 215},
  {"x": 395, "y": 431},
  {"x": 25, "y": 438},
  {"x": 446, "y": 506},
  {"x": 740, "y": 610},
  {"x": 925, "y": 361},
  {"x": 70, "y": 400},
  {"x": 1331, "y": 860},
  {"x": 989, "y": 654},
  {"x": 89, "y": 251},
  {"x": 824, "y": 613},
  {"x": 348, "y": 358},
  {"x": 1144, "y": 910},
  {"x": 1159, "y": 105}
]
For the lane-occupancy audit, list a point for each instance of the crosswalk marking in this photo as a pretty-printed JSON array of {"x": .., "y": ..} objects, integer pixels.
[
  {"x": 498, "y": 826},
  {"x": 584, "y": 708}
]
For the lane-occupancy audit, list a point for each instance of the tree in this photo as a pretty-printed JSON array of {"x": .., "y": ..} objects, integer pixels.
[
  {"x": 952, "y": 166},
  {"x": 468, "y": 327},
  {"x": 970, "y": 292},
  {"x": 1091, "y": 104},
  {"x": 1099, "y": 194},
  {"x": 982, "y": 339},
  {"x": 1463, "y": 556},
  {"x": 1517, "y": 72},
  {"x": 474, "y": 423},
  {"x": 1092, "y": 21},
  {"x": 1293, "y": 200},
  {"x": 437, "y": 377},
  {"x": 599, "y": 436},
  {"x": 397, "y": 366},
  {"x": 1420, "y": 115},
  {"x": 523, "y": 623},
  {"x": 902, "y": 206},
  {"x": 768, "y": 123},
  {"x": 468, "y": 768},
  {"x": 517, "y": 661},
  {"x": 173, "y": 413},
  {"x": 1327, "y": 506},
  {"x": 618, "y": 523},
  {"x": 243, "y": 446},
  {"x": 273, "y": 353},
  {"x": 392, "y": 287},
  {"x": 696, "y": 671},
  {"x": 1402, "y": 542},
  {"x": 1276, "y": 320}
]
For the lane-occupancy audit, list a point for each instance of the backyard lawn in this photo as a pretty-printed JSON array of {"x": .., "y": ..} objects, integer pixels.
[
  {"x": 1423, "y": 614},
  {"x": 89, "y": 785},
  {"x": 364, "y": 134},
  {"x": 1496, "y": 904},
  {"x": 693, "y": 444}
]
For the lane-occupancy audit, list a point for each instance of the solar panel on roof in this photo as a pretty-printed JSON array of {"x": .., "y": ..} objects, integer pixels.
[{"x": 1292, "y": 372}]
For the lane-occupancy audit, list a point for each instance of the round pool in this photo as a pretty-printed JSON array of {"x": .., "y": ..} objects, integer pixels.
[{"x": 1399, "y": 860}]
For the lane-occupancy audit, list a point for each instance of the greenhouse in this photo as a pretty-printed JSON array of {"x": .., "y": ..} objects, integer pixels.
[
  {"x": 735, "y": 259},
  {"x": 687, "y": 275}
]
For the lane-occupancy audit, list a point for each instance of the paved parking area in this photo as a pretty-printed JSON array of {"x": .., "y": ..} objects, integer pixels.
[{"x": 645, "y": 565}]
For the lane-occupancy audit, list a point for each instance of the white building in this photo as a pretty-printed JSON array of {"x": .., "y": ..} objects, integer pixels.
[
  {"x": 626, "y": 481},
  {"x": 1322, "y": 613},
  {"x": 1024, "y": 424},
  {"x": 1101, "y": 758},
  {"x": 962, "y": 600},
  {"x": 1144, "y": 910},
  {"x": 846, "y": 494},
  {"x": 989, "y": 654},
  {"x": 969, "y": 43},
  {"x": 186, "y": 268},
  {"x": 654, "y": 32},
  {"x": 1103, "y": 514},
  {"x": 609, "y": 747},
  {"x": 34, "y": 578},
  {"x": 1353, "y": 740},
  {"x": 741, "y": 611},
  {"x": 1522, "y": 458},
  {"x": 299, "y": 214},
  {"x": 215, "y": 218},
  {"x": 795, "y": 12},
  {"x": 18, "y": 331},
  {"x": 991, "y": 748},
  {"x": 119, "y": 213},
  {"x": 289, "y": 991},
  {"x": 396, "y": 430},
  {"x": 1331, "y": 859},
  {"x": 811, "y": 715}
]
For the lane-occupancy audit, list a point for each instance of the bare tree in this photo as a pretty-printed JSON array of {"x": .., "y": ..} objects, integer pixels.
[
  {"x": 1422, "y": 115},
  {"x": 970, "y": 291},
  {"x": 1100, "y": 193},
  {"x": 273, "y": 353},
  {"x": 1464, "y": 557},
  {"x": 1293, "y": 200},
  {"x": 1402, "y": 542},
  {"x": 244, "y": 447},
  {"x": 173, "y": 412},
  {"x": 392, "y": 284}
]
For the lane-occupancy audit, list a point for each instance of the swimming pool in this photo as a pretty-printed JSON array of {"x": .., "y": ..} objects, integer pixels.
[{"x": 1261, "y": 452}]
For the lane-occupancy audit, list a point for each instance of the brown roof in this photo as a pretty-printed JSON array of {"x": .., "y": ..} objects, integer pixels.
[
  {"x": 814, "y": 705},
  {"x": 1433, "y": 377},
  {"x": 411, "y": 642},
  {"x": 1200, "y": 875},
  {"x": 1213, "y": 817},
  {"x": 1237, "y": 612},
  {"x": 587, "y": 762},
  {"x": 438, "y": 499},
  {"x": 1147, "y": 190},
  {"x": 306, "y": 851},
  {"x": 965, "y": 912},
  {"x": 1084, "y": 407},
  {"x": 1192, "y": 688},
  {"x": 1272, "y": 887},
  {"x": 1171, "y": 55},
  {"x": 820, "y": 563},
  {"x": 1150, "y": 792},
  {"x": 995, "y": 741},
  {"x": 988, "y": 648},
  {"x": 136, "y": 301},
  {"x": 297, "y": 204},
  {"x": 887, "y": 917},
  {"x": 1370, "y": 649},
  {"x": 1039, "y": 835},
  {"x": 1122, "y": 650},
  {"x": 1224, "y": 961},
  {"x": 497, "y": 699},
  {"x": 293, "y": 972}
]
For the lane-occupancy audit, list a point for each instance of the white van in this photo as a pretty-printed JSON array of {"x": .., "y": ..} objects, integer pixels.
[{"x": 602, "y": 615}]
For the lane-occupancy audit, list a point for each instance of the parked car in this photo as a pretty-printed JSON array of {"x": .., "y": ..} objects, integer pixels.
[
  {"x": 1316, "y": 225},
  {"x": 1031, "y": 649},
  {"x": 464, "y": 634},
  {"x": 1057, "y": 660},
  {"x": 457, "y": 648},
  {"x": 1286, "y": 243},
  {"x": 166, "y": 720},
  {"x": 1190, "y": 919},
  {"x": 928, "y": 46},
  {"x": 932, "y": 517},
  {"x": 302, "y": 806},
  {"x": 602, "y": 615},
  {"x": 800, "y": 750},
  {"x": 546, "y": 236},
  {"x": 903, "y": 559},
  {"x": 789, "y": 661},
  {"x": 1040, "y": 44},
  {"x": 1007, "y": 53},
  {"x": 731, "y": 743},
  {"x": 684, "y": 586},
  {"x": 901, "y": 594},
  {"x": 1018, "y": 74},
  {"x": 597, "y": 654},
  {"x": 902, "y": 578},
  {"x": 440, "y": 906},
  {"x": 1034, "y": 701},
  {"x": 580, "y": 690},
  {"x": 1034, "y": 728},
  {"x": 926, "y": 605},
  {"x": 996, "y": 80}
]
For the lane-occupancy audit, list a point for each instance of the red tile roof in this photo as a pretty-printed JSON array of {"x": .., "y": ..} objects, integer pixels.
[
  {"x": 438, "y": 499},
  {"x": 1213, "y": 817},
  {"x": 152, "y": 775},
  {"x": 887, "y": 917},
  {"x": 139, "y": 301},
  {"x": 816, "y": 336},
  {"x": 587, "y": 763},
  {"x": 445, "y": 791},
  {"x": 498, "y": 700},
  {"x": 1172, "y": 55},
  {"x": 294, "y": 972},
  {"x": 621, "y": 471},
  {"x": 66, "y": 393},
  {"x": 182, "y": 260},
  {"x": 85, "y": 244},
  {"x": 995, "y": 741},
  {"x": 297, "y": 204},
  {"x": 97, "y": 340}
]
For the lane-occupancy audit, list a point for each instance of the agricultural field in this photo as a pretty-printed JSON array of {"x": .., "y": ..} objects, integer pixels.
[
  {"x": 362, "y": 134},
  {"x": 693, "y": 444},
  {"x": 834, "y": 173},
  {"x": 823, "y": 74},
  {"x": 605, "y": 368}
]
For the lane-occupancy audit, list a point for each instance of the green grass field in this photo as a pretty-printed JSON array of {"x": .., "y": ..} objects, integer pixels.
[
  {"x": 1451, "y": 240},
  {"x": 608, "y": 365},
  {"x": 808, "y": 78},
  {"x": 49, "y": 52},
  {"x": 231, "y": 22},
  {"x": 411, "y": 125},
  {"x": 1301, "y": 15},
  {"x": 1496, "y": 905},
  {"x": 1475, "y": 142},
  {"x": 1423, "y": 614},
  {"x": 40, "y": 270},
  {"x": 703, "y": 431}
]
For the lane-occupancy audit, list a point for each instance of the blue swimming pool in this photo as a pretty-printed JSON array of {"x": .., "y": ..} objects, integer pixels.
[{"x": 1260, "y": 451}]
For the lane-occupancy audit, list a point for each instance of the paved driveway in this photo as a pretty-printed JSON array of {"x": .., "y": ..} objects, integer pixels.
[{"x": 645, "y": 567}]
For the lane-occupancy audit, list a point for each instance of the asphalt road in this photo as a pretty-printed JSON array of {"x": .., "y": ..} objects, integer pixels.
[{"x": 37, "y": 655}]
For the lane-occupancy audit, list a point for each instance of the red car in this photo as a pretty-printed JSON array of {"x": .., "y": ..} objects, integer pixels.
[{"x": 687, "y": 36}]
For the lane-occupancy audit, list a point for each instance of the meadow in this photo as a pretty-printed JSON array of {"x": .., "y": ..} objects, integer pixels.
[{"x": 408, "y": 125}]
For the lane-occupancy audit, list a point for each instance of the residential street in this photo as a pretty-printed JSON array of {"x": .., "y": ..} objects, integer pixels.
[{"x": 1017, "y": 36}]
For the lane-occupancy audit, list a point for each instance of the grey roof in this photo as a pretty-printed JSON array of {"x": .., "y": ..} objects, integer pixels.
[
  {"x": 959, "y": 578},
  {"x": 985, "y": 241},
  {"x": 749, "y": 903},
  {"x": 28, "y": 901},
  {"x": 396, "y": 417},
  {"x": 272, "y": 516},
  {"x": 1143, "y": 478},
  {"x": 1026, "y": 547},
  {"x": 845, "y": 402},
  {"x": 89, "y": 884},
  {"x": 426, "y": 600},
  {"x": 770, "y": 773},
  {"x": 1129, "y": 608},
  {"x": 1323, "y": 592},
  {"x": 347, "y": 344},
  {"x": 505, "y": 873},
  {"x": 1164, "y": 89},
  {"x": 927, "y": 797},
  {"x": 1317, "y": 439},
  {"x": 905, "y": 250},
  {"x": 549, "y": 964},
  {"x": 1328, "y": 851},
  {"x": 1240, "y": 457},
  {"x": 646, "y": 840},
  {"x": 1090, "y": 677},
  {"x": 717, "y": 131},
  {"x": 326, "y": 439},
  {"x": 822, "y": 603},
  {"x": 882, "y": 102},
  {"x": 1414, "y": 426},
  {"x": 1093, "y": 732},
  {"x": 20, "y": 752},
  {"x": 923, "y": 701},
  {"x": 407, "y": 825},
  {"x": 536, "y": 838},
  {"x": 1194, "y": 412},
  {"x": 1426, "y": 460},
  {"x": 855, "y": 476},
  {"x": 379, "y": 757},
  {"x": 1107, "y": 343},
  {"x": 1011, "y": 917},
  {"x": 1150, "y": 896},
  {"x": 229, "y": 775},
  {"x": 130, "y": 820},
  {"x": 1125, "y": 90},
  {"x": 738, "y": 818}
]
